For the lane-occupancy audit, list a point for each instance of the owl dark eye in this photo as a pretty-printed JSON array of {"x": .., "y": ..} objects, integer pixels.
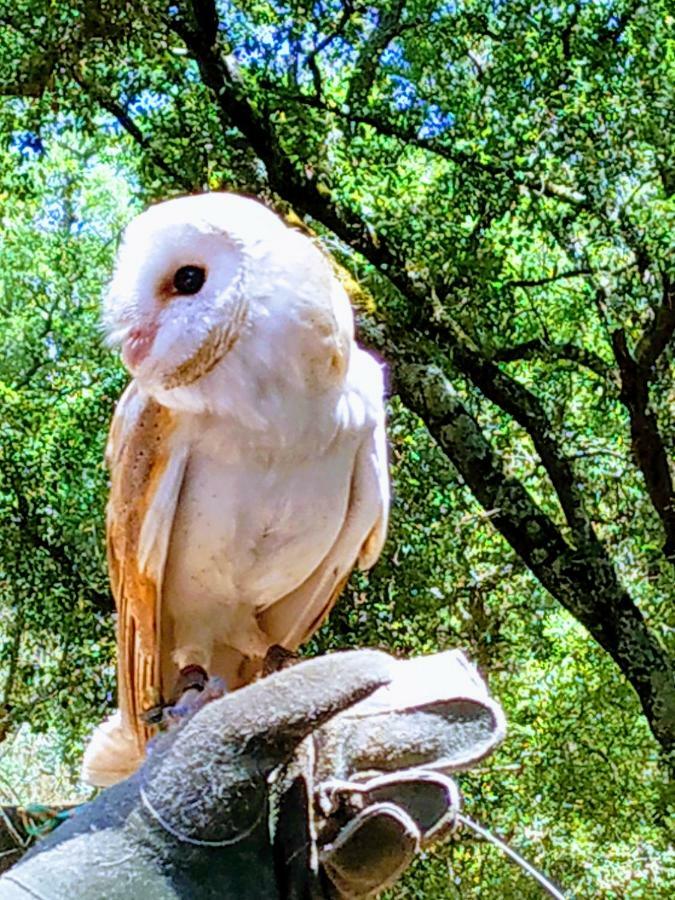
[{"x": 189, "y": 279}]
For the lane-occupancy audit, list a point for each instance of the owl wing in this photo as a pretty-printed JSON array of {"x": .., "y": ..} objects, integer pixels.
[
  {"x": 147, "y": 466},
  {"x": 294, "y": 618}
]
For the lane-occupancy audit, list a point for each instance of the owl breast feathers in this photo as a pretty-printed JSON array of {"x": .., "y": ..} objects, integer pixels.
[{"x": 247, "y": 456}]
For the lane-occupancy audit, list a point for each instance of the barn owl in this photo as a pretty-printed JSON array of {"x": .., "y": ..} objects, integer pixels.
[{"x": 247, "y": 456}]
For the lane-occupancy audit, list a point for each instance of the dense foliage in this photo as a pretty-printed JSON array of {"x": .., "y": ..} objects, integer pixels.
[{"x": 498, "y": 178}]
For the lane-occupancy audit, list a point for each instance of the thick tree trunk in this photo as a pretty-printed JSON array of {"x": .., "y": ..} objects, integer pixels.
[{"x": 581, "y": 579}]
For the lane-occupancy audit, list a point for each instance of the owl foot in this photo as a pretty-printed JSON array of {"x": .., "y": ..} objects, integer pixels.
[
  {"x": 154, "y": 715},
  {"x": 195, "y": 692},
  {"x": 190, "y": 678},
  {"x": 278, "y": 658}
]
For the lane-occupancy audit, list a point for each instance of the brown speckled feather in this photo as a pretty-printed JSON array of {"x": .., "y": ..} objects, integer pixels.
[{"x": 139, "y": 455}]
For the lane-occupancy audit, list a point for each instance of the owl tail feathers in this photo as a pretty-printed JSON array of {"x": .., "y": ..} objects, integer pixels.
[{"x": 112, "y": 753}]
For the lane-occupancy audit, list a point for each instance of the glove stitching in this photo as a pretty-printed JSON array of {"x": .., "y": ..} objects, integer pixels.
[
  {"x": 24, "y": 887},
  {"x": 196, "y": 842}
]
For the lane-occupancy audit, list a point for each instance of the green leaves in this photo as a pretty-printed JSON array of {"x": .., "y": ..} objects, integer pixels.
[{"x": 507, "y": 169}]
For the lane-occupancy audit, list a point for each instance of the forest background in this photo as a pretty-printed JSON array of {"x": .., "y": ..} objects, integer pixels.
[{"x": 497, "y": 180}]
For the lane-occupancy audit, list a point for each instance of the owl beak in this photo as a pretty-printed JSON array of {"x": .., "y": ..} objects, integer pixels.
[{"x": 137, "y": 345}]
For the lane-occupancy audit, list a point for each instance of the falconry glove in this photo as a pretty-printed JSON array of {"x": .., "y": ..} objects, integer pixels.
[
  {"x": 378, "y": 774},
  {"x": 320, "y": 781}
]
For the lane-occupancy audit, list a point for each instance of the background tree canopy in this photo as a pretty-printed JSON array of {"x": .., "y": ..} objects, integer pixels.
[{"x": 498, "y": 179}]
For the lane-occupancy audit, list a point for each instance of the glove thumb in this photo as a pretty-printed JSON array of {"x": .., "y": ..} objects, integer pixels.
[{"x": 222, "y": 756}]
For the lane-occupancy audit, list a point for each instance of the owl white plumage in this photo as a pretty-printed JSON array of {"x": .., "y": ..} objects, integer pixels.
[{"x": 247, "y": 456}]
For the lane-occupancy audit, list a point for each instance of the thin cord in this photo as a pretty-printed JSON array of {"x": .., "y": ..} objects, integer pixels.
[{"x": 516, "y": 857}]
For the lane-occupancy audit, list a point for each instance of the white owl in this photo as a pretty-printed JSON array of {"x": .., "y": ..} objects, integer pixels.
[{"x": 247, "y": 456}]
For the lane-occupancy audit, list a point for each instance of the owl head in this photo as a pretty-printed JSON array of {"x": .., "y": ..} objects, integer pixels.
[{"x": 204, "y": 278}]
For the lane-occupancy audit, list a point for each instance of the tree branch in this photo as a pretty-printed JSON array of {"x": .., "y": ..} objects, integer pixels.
[
  {"x": 458, "y": 157},
  {"x": 527, "y": 410},
  {"x": 118, "y": 112},
  {"x": 584, "y": 581},
  {"x": 656, "y": 338},
  {"x": 567, "y": 352},
  {"x": 348, "y": 10},
  {"x": 206, "y": 18},
  {"x": 646, "y": 441},
  {"x": 365, "y": 67},
  {"x": 548, "y": 279}
]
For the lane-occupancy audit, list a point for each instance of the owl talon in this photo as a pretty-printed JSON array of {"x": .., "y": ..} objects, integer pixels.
[
  {"x": 154, "y": 715},
  {"x": 195, "y": 697},
  {"x": 191, "y": 682},
  {"x": 190, "y": 678}
]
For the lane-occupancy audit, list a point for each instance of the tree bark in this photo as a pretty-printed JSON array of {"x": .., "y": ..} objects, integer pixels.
[
  {"x": 649, "y": 451},
  {"x": 582, "y": 580}
]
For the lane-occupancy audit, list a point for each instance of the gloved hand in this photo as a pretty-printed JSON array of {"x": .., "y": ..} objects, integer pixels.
[
  {"x": 378, "y": 773},
  {"x": 319, "y": 781}
]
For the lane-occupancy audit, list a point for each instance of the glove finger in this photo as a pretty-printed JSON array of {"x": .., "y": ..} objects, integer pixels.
[
  {"x": 207, "y": 785},
  {"x": 430, "y": 799},
  {"x": 276, "y": 713},
  {"x": 435, "y": 713},
  {"x": 445, "y": 737},
  {"x": 371, "y": 851}
]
